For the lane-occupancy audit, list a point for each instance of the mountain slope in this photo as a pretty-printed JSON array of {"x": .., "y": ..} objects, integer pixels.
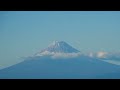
[
  {"x": 46, "y": 67},
  {"x": 43, "y": 66}
]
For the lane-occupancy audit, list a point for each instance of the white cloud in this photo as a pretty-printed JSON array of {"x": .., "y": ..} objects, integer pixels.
[
  {"x": 58, "y": 55},
  {"x": 66, "y": 55},
  {"x": 45, "y": 53},
  {"x": 102, "y": 54},
  {"x": 90, "y": 54}
]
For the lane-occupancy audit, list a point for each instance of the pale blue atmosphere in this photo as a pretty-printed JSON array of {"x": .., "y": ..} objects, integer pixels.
[{"x": 23, "y": 33}]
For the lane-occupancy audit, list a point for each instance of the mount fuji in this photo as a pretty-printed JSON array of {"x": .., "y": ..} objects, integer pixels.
[
  {"x": 57, "y": 47},
  {"x": 60, "y": 46},
  {"x": 42, "y": 65}
]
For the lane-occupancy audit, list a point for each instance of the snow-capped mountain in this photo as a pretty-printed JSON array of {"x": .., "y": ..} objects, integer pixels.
[
  {"x": 43, "y": 66},
  {"x": 57, "y": 47}
]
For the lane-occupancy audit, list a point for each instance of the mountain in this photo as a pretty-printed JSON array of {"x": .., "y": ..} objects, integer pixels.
[
  {"x": 46, "y": 67},
  {"x": 57, "y": 47},
  {"x": 60, "y": 46}
]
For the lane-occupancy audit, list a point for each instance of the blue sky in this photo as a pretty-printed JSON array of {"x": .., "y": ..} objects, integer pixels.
[{"x": 23, "y": 33}]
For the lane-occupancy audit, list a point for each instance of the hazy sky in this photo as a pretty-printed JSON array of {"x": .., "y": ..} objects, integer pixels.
[{"x": 23, "y": 33}]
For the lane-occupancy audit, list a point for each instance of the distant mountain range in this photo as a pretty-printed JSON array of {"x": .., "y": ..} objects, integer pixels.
[{"x": 62, "y": 61}]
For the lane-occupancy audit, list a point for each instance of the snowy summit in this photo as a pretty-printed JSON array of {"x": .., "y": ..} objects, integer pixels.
[{"x": 58, "y": 47}]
